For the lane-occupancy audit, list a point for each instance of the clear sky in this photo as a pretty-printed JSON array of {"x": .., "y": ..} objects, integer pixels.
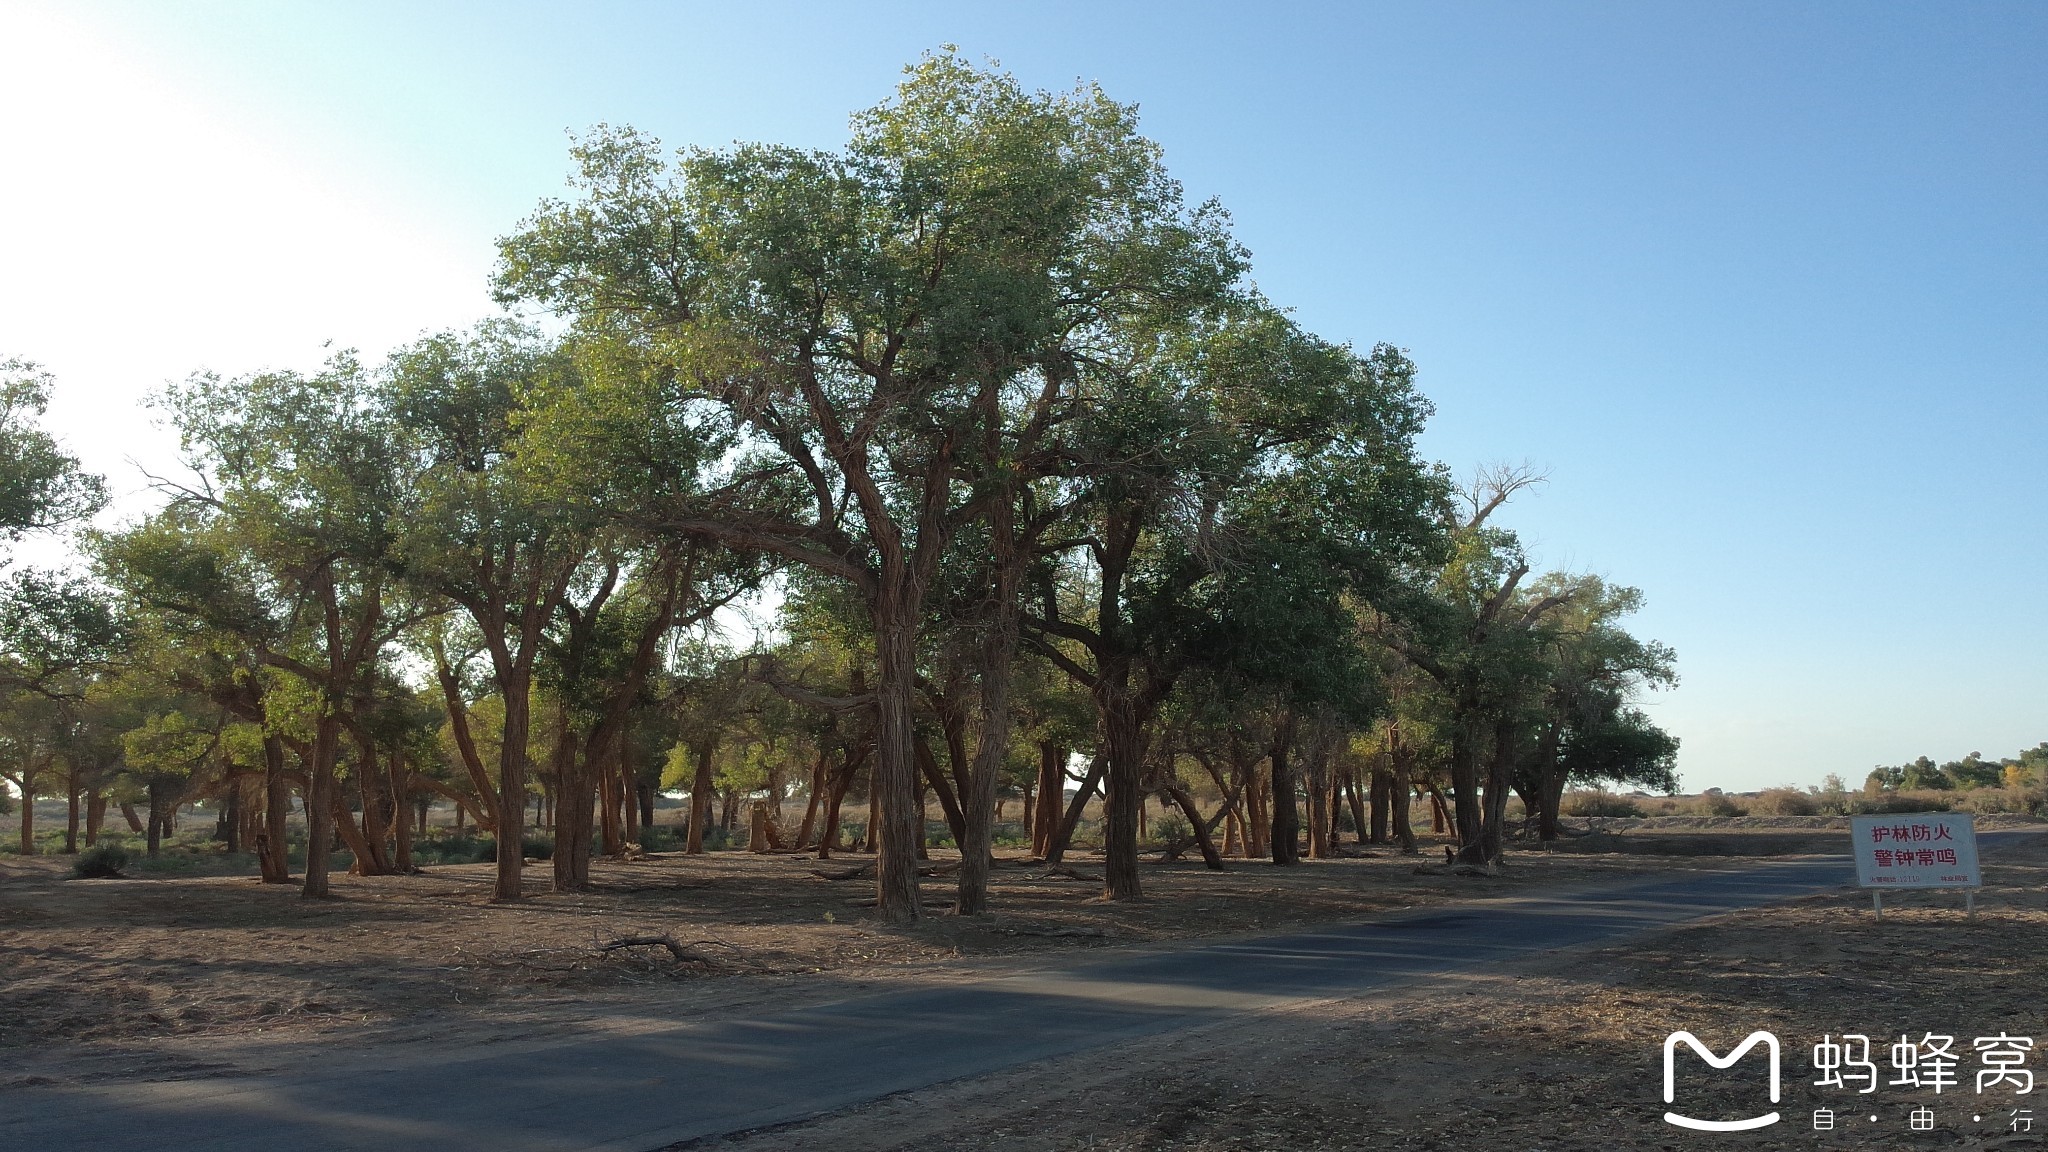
[{"x": 1764, "y": 287}]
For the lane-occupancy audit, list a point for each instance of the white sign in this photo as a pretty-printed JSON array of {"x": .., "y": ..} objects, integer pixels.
[{"x": 1916, "y": 850}]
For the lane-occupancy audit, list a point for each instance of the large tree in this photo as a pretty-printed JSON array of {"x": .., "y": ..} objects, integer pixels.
[
  {"x": 865, "y": 324},
  {"x": 285, "y": 540}
]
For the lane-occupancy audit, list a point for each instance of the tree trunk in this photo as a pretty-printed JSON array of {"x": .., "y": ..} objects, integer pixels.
[
  {"x": 998, "y": 657},
  {"x": 1359, "y": 817},
  {"x": 1259, "y": 805},
  {"x": 1052, "y": 780},
  {"x": 949, "y": 804},
  {"x": 28, "y": 812},
  {"x": 72, "y": 790},
  {"x": 320, "y": 798},
  {"x": 1122, "y": 792},
  {"x": 629, "y": 788},
  {"x": 1186, "y": 804},
  {"x": 1286, "y": 814},
  {"x": 818, "y": 786},
  {"x": 509, "y": 883},
  {"x": 230, "y": 814},
  {"x": 1469, "y": 817},
  {"x": 894, "y": 785},
  {"x": 1499, "y": 778},
  {"x": 365, "y": 850},
  {"x": 1316, "y": 778},
  {"x": 156, "y": 800},
  {"x": 371, "y": 857},
  {"x": 95, "y": 815},
  {"x": 273, "y": 850},
  {"x": 570, "y": 864},
  {"x": 1550, "y": 795},
  {"x": 1382, "y": 803},
  {"x": 870, "y": 833},
  {"x": 602, "y": 775},
  {"x": 842, "y": 782},
  {"x": 1064, "y": 834},
  {"x": 700, "y": 797},
  {"x": 401, "y": 814}
]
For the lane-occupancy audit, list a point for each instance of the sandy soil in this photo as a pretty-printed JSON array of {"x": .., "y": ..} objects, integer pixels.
[
  {"x": 91, "y": 967},
  {"x": 1560, "y": 1054}
]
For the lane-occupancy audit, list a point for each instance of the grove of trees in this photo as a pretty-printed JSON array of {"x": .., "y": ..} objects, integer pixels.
[{"x": 1045, "y": 499}]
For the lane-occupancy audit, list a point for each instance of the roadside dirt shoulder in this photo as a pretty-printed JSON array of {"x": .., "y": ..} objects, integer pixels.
[{"x": 1564, "y": 1053}]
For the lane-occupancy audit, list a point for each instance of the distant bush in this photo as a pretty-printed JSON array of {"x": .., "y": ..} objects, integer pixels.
[
  {"x": 1783, "y": 802},
  {"x": 1713, "y": 804},
  {"x": 100, "y": 862},
  {"x": 1599, "y": 803},
  {"x": 2021, "y": 801},
  {"x": 1925, "y": 800}
]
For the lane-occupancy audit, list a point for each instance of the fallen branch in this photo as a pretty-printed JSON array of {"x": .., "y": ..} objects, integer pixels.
[
  {"x": 1071, "y": 874},
  {"x": 665, "y": 940},
  {"x": 676, "y": 948},
  {"x": 1087, "y": 932},
  {"x": 853, "y": 873}
]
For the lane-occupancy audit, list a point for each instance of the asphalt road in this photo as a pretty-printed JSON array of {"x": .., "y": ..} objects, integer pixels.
[{"x": 671, "y": 1081}]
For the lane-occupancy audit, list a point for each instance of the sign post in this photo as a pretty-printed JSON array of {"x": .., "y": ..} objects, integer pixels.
[{"x": 1916, "y": 850}]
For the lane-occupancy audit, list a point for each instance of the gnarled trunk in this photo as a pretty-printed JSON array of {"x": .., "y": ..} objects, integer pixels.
[{"x": 894, "y": 785}]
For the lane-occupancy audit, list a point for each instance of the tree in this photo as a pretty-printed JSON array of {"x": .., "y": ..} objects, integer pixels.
[
  {"x": 30, "y": 732},
  {"x": 1245, "y": 462},
  {"x": 1585, "y": 730},
  {"x": 488, "y": 539},
  {"x": 285, "y": 540},
  {"x": 1479, "y": 636},
  {"x": 861, "y": 324},
  {"x": 51, "y": 625},
  {"x": 42, "y": 487}
]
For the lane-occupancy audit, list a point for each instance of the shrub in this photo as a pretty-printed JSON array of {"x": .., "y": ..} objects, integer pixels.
[
  {"x": 661, "y": 838},
  {"x": 463, "y": 849},
  {"x": 1783, "y": 802},
  {"x": 1172, "y": 829},
  {"x": 100, "y": 862},
  {"x": 1885, "y": 803},
  {"x": 1600, "y": 803},
  {"x": 1715, "y": 804}
]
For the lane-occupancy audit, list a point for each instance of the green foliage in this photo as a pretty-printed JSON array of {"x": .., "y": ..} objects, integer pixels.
[
  {"x": 1172, "y": 828},
  {"x": 101, "y": 861},
  {"x": 41, "y": 486}
]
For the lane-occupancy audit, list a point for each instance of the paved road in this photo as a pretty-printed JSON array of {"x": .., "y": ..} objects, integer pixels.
[{"x": 674, "y": 1081}]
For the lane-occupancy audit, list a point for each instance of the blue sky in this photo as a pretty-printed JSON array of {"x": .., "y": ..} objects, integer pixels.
[{"x": 1761, "y": 286}]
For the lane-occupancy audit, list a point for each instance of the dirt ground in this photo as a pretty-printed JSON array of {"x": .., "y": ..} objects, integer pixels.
[
  {"x": 205, "y": 955},
  {"x": 1560, "y": 1054},
  {"x": 115, "y": 979}
]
